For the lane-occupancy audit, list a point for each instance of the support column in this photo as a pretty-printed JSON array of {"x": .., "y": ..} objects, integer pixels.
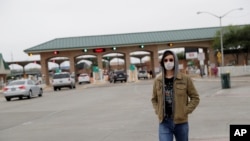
[
  {"x": 24, "y": 73},
  {"x": 211, "y": 56},
  {"x": 155, "y": 62},
  {"x": 72, "y": 65},
  {"x": 127, "y": 60},
  {"x": 99, "y": 61},
  {"x": 132, "y": 74},
  {"x": 45, "y": 72}
]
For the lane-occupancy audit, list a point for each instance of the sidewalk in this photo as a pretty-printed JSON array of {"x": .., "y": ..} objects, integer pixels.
[
  {"x": 234, "y": 78},
  {"x": 218, "y": 110}
]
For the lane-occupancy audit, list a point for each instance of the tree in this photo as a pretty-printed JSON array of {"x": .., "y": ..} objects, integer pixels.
[
  {"x": 236, "y": 40},
  {"x": 244, "y": 35},
  {"x": 231, "y": 41}
]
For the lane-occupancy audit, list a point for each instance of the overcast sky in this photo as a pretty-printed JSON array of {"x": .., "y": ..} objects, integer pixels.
[{"x": 27, "y": 23}]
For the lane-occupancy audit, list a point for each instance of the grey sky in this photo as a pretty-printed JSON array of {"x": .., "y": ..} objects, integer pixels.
[{"x": 26, "y": 23}]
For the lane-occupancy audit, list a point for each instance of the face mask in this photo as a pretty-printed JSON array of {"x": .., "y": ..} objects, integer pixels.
[{"x": 169, "y": 65}]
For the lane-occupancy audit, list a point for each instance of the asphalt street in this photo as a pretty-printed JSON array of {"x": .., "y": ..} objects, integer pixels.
[{"x": 122, "y": 111}]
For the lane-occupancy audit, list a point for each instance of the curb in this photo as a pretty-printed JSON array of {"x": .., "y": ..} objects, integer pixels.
[{"x": 235, "y": 79}]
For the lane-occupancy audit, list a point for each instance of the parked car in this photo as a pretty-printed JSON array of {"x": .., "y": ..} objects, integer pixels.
[
  {"x": 83, "y": 78},
  {"x": 142, "y": 74},
  {"x": 22, "y": 88},
  {"x": 63, "y": 79},
  {"x": 118, "y": 76}
]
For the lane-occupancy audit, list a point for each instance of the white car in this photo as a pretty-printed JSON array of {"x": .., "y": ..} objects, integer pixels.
[
  {"x": 22, "y": 88},
  {"x": 143, "y": 74},
  {"x": 83, "y": 78},
  {"x": 63, "y": 79}
]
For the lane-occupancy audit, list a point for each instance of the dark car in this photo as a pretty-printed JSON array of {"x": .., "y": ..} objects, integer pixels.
[{"x": 118, "y": 76}]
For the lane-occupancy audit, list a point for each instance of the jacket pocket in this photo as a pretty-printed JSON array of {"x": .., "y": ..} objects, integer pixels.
[
  {"x": 182, "y": 114},
  {"x": 181, "y": 89}
]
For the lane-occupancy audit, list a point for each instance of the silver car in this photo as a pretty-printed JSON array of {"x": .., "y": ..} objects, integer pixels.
[
  {"x": 143, "y": 74},
  {"x": 22, "y": 88},
  {"x": 63, "y": 79}
]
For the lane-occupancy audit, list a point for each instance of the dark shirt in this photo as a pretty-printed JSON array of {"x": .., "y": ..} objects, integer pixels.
[{"x": 169, "y": 96}]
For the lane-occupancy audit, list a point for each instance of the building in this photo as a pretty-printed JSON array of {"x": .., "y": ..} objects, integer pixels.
[{"x": 4, "y": 71}]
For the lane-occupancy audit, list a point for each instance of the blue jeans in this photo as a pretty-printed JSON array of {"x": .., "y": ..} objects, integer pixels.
[{"x": 167, "y": 131}]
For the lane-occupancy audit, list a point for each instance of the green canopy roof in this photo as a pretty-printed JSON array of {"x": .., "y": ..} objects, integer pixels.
[{"x": 120, "y": 40}]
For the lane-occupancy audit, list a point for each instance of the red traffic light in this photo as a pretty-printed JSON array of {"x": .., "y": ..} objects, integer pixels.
[{"x": 99, "y": 50}]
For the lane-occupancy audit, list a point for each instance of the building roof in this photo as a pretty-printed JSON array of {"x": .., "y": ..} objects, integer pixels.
[
  {"x": 4, "y": 67},
  {"x": 119, "y": 40}
]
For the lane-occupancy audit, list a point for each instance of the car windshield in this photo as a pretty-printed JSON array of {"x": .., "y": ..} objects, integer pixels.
[
  {"x": 119, "y": 72},
  {"x": 142, "y": 71},
  {"x": 58, "y": 76},
  {"x": 16, "y": 83}
]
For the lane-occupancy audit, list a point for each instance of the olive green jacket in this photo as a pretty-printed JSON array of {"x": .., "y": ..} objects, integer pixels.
[{"x": 185, "y": 98}]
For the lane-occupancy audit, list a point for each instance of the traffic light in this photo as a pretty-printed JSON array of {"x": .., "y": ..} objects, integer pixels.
[
  {"x": 56, "y": 52},
  {"x": 85, "y": 50},
  {"x": 142, "y": 46},
  {"x": 170, "y": 44},
  {"x": 30, "y": 54}
]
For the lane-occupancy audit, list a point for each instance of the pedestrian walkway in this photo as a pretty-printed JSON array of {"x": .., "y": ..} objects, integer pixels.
[
  {"x": 218, "y": 110},
  {"x": 235, "y": 78}
]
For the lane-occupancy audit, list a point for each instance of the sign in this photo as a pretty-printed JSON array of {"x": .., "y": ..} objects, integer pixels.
[
  {"x": 201, "y": 56},
  {"x": 95, "y": 69},
  {"x": 132, "y": 67},
  {"x": 191, "y": 55},
  {"x": 58, "y": 70},
  {"x": 218, "y": 54},
  {"x": 181, "y": 66},
  {"x": 239, "y": 132},
  {"x": 99, "y": 50}
]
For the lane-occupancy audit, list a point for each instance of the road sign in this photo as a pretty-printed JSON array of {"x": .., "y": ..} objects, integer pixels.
[
  {"x": 132, "y": 67},
  {"x": 218, "y": 54},
  {"x": 201, "y": 56}
]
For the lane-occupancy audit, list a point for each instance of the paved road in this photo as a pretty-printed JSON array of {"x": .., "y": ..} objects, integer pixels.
[{"x": 111, "y": 112}]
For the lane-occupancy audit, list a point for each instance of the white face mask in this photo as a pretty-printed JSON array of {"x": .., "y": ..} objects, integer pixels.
[{"x": 169, "y": 65}]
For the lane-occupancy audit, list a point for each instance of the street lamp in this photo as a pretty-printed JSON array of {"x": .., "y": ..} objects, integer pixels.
[{"x": 221, "y": 30}]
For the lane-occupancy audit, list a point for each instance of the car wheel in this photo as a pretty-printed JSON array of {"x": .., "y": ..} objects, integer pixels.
[
  {"x": 40, "y": 93},
  {"x": 7, "y": 98},
  {"x": 55, "y": 88},
  {"x": 29, "y": 95},
  {"x": 20, "y": 97},
  {"x": 80, "y": 83}
]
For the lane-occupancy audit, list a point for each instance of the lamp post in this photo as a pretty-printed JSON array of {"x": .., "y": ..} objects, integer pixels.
[{"x": 221, "y": 29}]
